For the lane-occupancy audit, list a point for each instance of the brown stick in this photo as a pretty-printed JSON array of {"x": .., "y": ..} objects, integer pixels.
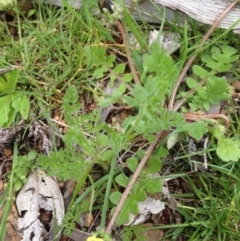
[
  {"x": 129, "y": 55},
  {"x": 197, "y": 116}
]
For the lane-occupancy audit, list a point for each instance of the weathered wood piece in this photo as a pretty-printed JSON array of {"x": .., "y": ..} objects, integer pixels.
[
  {"x": 146, "y": 10},
  {"x": 204, "y": 11}
]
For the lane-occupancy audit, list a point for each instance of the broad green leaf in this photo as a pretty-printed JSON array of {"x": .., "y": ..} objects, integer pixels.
[
  {"x": 24, "y": 106},
  {"x": 5, "y": 107},
  {"x": 228, "y": 149},
  {"x": 153, "y": 185},
  {"x": 224, "y": 55},
  {"x": 31, "y": 13},
  {"x": 154, "y": 164},
  {"x": 223, "y": 67},
  {"x": 132, "y": 163},
  {"x": 119, "y": 68},
  {"x": 122, "y": 180},
  {"x": 131, "y": 205},
  {"x": 161, "y": 152},
  {"x": 11, "y": 117},
  {"x": 229, "y": 50},
  {"x": 123, "y": 216},
  {"x": 106, "y": 102},
  {"x": 221, "y": 59},
  {"x": 217, "y": 89},
  {"x": 115, "y": 197},
  {"x": 206, "y": 105},
  {"x": 219, "y": 131},
  {"x": 122, "y": 88},
  {"x": 138, "y": 191},
  {"x": 192, "y": 83},
  {"x": 16, "y": 100},
  {"x": 107, "y": 156},
  {"x": 110, "y": 60},
  {"x": 127, "y": 77},
  {"x": 100, "y": 71},
  {"x": 17, "y": 185},
  {"x": 94, "y": 55},
  {"x": 200, "y": 71},
  {"x": 196, "y": 129},
  {"x": 115, "y": 97},
  {"x": 210, "y": 62},
  {"x": 12, "y": 78},
  {"x": 166, "y": 69},
  {"x": 4, "y": 86}
]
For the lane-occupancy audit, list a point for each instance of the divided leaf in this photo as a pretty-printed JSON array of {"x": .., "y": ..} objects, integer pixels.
[
  {"x": 131, "y": 204},
  {"x": 153, "y": 185},
  {"x": 221, "y": 59},
  {"x": 196, "y": 129},
  {"x": 200, "y": 71}
]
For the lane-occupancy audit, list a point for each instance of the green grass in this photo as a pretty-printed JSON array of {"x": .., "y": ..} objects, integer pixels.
[{"x": 63, "y": 57}]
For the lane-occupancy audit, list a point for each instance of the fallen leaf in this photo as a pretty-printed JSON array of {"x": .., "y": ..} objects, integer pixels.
[
  {"x": 150, "y": 205},
  {"x": 40, "y": 193}
]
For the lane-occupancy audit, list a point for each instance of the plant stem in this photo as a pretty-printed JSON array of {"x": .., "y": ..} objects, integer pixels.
[{"x": 107, "y": 193}]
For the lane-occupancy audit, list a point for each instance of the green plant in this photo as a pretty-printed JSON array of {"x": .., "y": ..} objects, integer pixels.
[
  {"x": 100, "y": 145},
  {"x": 6, "y": 4},
  {"x": 211, "y": 89},
  {"x": 212, "y": 217},
  {"x": 24, "y": 165},
  {"x": 146, "y": 184},
  {"x": 65, "y": 55},
  {"x": 21, "y": 167},
  {"x": 136, "y": 233},
  {"x": 12, "y": 99}
]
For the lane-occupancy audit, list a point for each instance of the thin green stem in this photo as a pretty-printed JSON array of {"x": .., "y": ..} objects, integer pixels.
[
  {"x": 10, "y": 198},
  {"x": 107, "y": 193}
]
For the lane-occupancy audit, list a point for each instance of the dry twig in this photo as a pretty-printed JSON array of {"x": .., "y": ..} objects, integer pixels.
[{"x": 128, "y": 52}]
